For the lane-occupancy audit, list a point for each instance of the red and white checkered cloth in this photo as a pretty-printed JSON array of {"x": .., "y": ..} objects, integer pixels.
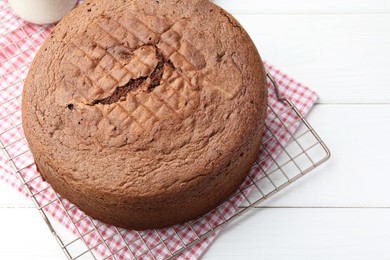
[{"x": 19, "y": 41}]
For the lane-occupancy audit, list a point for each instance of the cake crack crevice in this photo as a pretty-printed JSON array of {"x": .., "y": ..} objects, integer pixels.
[{"x": 146, "y": 83}]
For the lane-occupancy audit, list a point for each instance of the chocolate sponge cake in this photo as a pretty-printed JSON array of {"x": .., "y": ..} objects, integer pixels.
[{"x": 145, "y": 113}]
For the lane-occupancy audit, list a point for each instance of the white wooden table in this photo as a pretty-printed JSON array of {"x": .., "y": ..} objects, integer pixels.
[{"x": 341, "y": 49}]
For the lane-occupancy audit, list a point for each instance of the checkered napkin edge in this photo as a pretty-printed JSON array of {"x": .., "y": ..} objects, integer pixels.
[{"x": 19, "y": 42}]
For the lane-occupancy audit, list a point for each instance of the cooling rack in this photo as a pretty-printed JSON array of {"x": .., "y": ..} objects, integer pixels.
[
  {"x": 303, "y": 152},
  {"x": 290, "y": 149}
]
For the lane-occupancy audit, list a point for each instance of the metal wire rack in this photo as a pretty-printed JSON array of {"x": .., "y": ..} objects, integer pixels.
[
  {"x": 304, "y": 151},
  {"x": 291, "y": 148}
]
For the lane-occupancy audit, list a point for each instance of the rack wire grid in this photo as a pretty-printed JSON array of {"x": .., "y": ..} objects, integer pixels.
[
  {"x": 304, "y": 151},
  {"x": 296, "y": 154}
]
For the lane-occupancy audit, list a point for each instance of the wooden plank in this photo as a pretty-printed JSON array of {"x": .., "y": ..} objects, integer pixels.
[
  {"x": 10, "y": 197},
  {"x": 350, "y": 234},
  {"x": 344, "y": 58},
  {"x": 358, "y": 171},
  {"x": 304, "y": 7},
  {"x": 24, "y": 235},
  {"x": 264, "y": 234}
]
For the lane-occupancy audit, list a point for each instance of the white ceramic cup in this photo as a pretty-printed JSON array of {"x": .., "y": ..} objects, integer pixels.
[{"x": 42, "y": 11}]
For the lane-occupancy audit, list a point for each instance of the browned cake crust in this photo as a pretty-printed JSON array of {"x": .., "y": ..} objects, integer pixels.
[{"x": 145, "y": 114}]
